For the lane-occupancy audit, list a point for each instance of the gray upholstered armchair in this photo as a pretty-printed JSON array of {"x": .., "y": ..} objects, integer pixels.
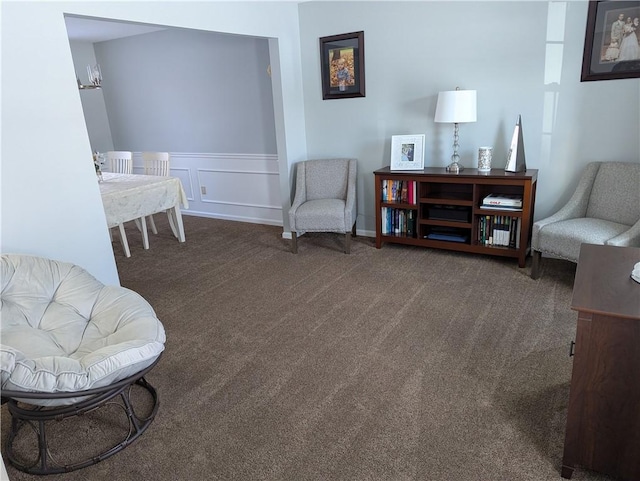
[
  {"x": 325, "y": 199},
  {"x": 604, "y": 209}
]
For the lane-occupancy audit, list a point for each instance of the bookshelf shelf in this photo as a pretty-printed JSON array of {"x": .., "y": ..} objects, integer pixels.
[
  {"x": 445, "y": 211},
  {"x": 398, "y": 205},
  {"x": 450, "y": 201},
  {"x": 445, "y": 223}
]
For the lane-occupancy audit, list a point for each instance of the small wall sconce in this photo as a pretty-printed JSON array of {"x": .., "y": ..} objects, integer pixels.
[{"x": 95, "y": 78}]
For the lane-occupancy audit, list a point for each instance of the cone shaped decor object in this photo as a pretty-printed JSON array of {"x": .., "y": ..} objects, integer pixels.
[{"x": 515, "y": 158}]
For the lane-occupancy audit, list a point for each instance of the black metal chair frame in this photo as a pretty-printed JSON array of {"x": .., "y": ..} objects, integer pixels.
[{"x": 37, "y": 416}]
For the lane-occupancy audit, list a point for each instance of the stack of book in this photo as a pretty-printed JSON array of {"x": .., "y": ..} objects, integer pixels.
[
  {"x": 448, "y": 235},
  {"x": 401, "y": 191},
  {"x": 499, "y": 230},
  {"x": 502, "y": 202},
  {"x": 400, "y": 222}
]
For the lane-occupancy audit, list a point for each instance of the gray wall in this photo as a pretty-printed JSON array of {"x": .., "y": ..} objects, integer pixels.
[
  {"x": 521, "y": 57},
  {"x": 188, "y": 91}
]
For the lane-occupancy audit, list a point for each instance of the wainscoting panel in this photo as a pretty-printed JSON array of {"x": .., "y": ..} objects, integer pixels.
[
  {"x": 184, "y": 174},
  {"x": 241, "y": 187}
]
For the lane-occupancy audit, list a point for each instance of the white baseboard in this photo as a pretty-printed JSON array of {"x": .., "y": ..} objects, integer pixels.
[{"x": 249, "y": 220}]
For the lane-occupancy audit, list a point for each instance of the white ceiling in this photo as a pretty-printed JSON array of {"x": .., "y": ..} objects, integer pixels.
[{"x": 95, "y": 30}]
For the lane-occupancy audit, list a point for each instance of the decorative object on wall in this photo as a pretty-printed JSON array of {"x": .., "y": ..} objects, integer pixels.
[
  {"x": 342, "y": 65},
  {"x": 456, "y": 106},
  {"x": 407, "y": 152},
  {"x": 611, "y": 49},
  {"x": 515, "y": 157},
  {"x": 95, "y": 78},
  {"x": 485, "y": 155}
]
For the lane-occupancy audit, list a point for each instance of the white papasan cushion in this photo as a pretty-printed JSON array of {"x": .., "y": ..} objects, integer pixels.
[{"x": 62, "y": 330}]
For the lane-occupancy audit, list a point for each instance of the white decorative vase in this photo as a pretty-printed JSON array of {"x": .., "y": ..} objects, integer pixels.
[{"x": 485, "y": 155}]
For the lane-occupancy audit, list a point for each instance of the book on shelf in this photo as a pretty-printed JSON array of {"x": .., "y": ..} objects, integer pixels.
[
  {"x": 502, "y": 200},
  {"x": 398, "y": 222},
  {"x": 399, "y": 191},
  {"x": 500, "y": 207},
  {"x": 499, "y": 231},
  {"x": 447, "y": 234},
  {"x": 446, "y": 237}
]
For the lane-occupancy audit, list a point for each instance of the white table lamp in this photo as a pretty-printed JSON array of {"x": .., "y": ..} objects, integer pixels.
[{"x": 455, "y": 107}]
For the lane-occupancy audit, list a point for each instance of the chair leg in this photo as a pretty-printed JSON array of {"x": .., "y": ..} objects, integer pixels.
[
  {"x": 353, "y": 230},
  {"x": 145, "y": 234},
  {"x": 123, "y": 240},
  {"x": 175, "y": 221},
  {"x": 347, "y": 243},
  {"x": 172, "y": 223},
  {"x": 294, "y": 242},
  {"x": 535, "y": 264},
  {"x": 152, "y": 224}
]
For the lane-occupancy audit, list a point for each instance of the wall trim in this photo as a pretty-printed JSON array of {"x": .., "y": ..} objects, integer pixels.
[
  {"x": 203, "y": 169},
  {"x": 223, "y": 202},
  {"x": 250, "y": 220},
  {"x": 234, "y": 171},
  {"x": 220, "y": 156}
]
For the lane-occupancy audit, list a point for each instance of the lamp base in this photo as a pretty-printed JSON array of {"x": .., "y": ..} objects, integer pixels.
[{"x": 454, "y": 168}]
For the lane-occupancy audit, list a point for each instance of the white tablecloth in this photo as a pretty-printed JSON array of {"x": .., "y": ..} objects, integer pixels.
[{"x": 127, "y": 197}]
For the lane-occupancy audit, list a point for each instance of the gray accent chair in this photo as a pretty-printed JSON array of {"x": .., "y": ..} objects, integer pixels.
[
  {"x": 325, "y": 199},
  {"x": 604, "y": 209}
]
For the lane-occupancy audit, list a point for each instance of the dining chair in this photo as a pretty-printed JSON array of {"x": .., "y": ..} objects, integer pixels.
[
  {"x": 156, "y": 163},
  {"x": 121, "y": 162}
]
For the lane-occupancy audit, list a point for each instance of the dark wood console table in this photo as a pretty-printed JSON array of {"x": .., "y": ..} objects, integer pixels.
[{"x": 603, "y": 419}]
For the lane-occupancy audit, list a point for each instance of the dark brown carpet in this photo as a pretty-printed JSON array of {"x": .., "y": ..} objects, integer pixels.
[{"x": 393, "y": 364}]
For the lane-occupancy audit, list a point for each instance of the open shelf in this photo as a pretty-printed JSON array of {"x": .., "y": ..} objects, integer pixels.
[{"x": 449, "y": 215}]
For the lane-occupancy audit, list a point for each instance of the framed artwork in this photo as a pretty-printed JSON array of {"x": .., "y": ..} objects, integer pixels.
[
  {"x": 342, "y": 65},
  {"x": 407, "y": 152},
  {"x": 611, "y": 48}
]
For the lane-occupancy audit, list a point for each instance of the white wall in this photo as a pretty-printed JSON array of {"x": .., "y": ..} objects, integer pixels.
[
  {"x": 521, "y": 57},
  {"x": 57, "y": 212}
]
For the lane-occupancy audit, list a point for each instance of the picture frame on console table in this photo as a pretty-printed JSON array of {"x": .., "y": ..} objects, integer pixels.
[
  {"x": 609, "y": 52},
  {"x": 407, "y": 152},
  {"x": 342, "y": 66}
]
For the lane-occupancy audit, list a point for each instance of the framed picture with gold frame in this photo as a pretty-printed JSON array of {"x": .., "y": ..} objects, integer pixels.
[{"x": 342, "y": 65}]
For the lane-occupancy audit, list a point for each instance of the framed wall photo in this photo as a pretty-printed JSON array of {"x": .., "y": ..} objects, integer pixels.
[
  {"x": 611, "y": 48},
  {"x": 407, "y": 152},
  {"x": 342, "y": 65}
]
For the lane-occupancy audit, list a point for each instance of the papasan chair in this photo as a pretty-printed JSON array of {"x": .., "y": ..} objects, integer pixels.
[{"x": 71, "y": 346}]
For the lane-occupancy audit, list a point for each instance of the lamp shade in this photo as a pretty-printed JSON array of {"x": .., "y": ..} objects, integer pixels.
[{"x": 456, "y": 106}]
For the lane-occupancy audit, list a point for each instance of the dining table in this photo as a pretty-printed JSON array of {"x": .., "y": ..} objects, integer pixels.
[{"x": 132, "y": 197}]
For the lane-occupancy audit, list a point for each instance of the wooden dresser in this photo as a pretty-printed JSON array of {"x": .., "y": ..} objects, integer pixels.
[{"x": 603, "y": 419}]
